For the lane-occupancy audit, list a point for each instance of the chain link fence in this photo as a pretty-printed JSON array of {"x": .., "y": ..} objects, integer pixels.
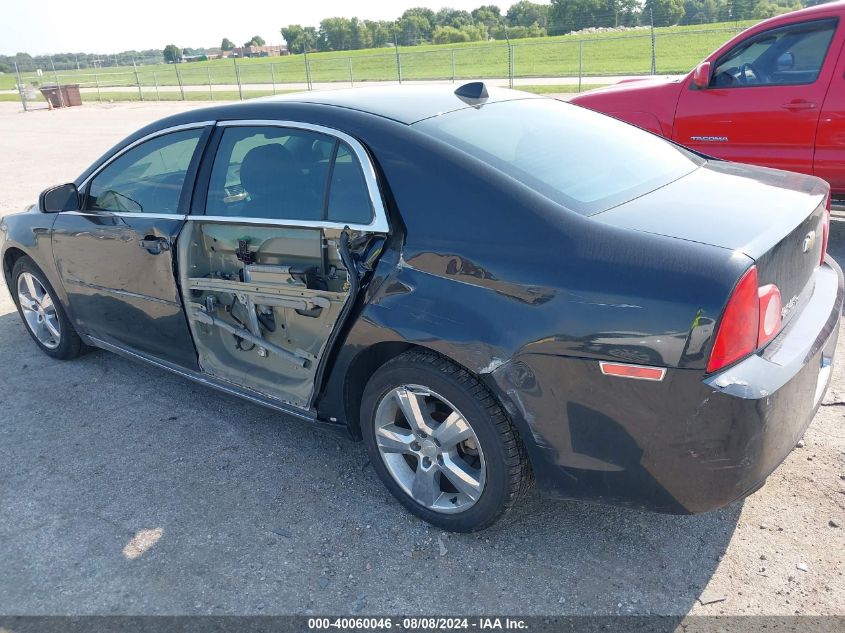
[{"x": 571, "y": 62}]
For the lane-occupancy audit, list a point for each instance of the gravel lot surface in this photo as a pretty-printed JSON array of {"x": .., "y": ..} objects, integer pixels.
[{"x": 126, "y": 490}]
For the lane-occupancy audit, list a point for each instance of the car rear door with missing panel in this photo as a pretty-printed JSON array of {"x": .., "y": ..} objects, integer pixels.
[{"x": 266, "y": 265}]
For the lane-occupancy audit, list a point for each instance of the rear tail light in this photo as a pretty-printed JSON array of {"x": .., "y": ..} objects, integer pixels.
[
  {"x": 770, "y": 317},
  {"x": 751, "y": 319},
  {"x": 825, "y": 231}
]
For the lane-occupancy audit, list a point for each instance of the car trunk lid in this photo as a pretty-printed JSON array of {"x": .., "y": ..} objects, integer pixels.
[{"x": 774, "y": 217}]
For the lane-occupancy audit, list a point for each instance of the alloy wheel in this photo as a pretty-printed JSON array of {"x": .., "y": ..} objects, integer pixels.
[
  {"x": 39, "y": 311},
  {"x": 430, "y": 449}
]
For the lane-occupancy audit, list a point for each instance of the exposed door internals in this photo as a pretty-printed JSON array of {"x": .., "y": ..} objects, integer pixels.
[{"x": 262, "y": 302}]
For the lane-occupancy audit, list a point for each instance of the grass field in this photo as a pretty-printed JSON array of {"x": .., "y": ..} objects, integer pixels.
[{"x": 677, "y": 50}]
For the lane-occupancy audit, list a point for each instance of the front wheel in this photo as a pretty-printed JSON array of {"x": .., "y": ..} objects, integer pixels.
[
  {"x": 42, "y": 313},
  {"x": 441, "y": 443}
]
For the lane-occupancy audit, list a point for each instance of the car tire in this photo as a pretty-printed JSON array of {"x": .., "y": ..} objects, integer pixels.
[
  {"x": 48, "y": 311},
  {"x": 476, "y": 480}
]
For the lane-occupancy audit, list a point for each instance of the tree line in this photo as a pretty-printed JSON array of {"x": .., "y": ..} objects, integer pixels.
[{"x": 421, "y": 25}]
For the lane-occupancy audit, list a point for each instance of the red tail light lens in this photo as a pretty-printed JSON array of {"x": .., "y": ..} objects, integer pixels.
[
  {"x": 740, "y": 324},
  {"x": 751, "y": 319},
  {"x": 825, "y": 231},
  {"x": 770, "y": 317}
]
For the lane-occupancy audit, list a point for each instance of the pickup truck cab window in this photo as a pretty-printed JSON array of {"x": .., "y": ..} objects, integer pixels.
[{"x": 791, "y": 55}]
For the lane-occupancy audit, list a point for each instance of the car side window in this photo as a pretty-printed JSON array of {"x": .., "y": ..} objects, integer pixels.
[
  {"x": 786, "y": 56},
  {"x": 286, "y": 174},
  {"x": 349, "y": 198},
  {"x": 146, "y": 179}
]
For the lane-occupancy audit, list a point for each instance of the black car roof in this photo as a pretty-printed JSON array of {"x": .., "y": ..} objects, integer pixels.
[{"x": 405, "y": 104}]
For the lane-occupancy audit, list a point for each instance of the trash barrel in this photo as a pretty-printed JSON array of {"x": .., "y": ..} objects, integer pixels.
[
  {"x": 53, "y": 95},
  {"x": 71, "y": 95}
]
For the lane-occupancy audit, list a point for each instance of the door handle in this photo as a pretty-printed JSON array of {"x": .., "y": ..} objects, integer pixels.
[
  {"x": 154, "y": 245},
  {"x": 801, "y": 104}
]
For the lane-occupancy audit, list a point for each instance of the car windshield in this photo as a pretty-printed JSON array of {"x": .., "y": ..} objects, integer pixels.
[{"x": 585, "y": 161}]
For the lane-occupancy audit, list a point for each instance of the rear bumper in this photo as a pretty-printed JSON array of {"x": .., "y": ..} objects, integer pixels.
[{"x": 688, "y": 444}]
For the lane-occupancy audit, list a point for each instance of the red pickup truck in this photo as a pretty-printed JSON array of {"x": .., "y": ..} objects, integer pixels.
[{"x": 774, "y": 95}]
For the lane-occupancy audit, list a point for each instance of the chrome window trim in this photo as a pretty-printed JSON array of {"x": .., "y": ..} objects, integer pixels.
[
  {"x": 306, "y": 224},
  {"x": 379, "y": 223},
  {"x": 127, "y": 214},
  {"x": 144, "y": 139}
]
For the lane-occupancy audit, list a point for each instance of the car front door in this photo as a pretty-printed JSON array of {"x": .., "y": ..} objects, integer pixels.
[
  {"x": 287, "y": 221},
  {"x": 116, "y": 255},
  {"x": 763, "y": 101}
]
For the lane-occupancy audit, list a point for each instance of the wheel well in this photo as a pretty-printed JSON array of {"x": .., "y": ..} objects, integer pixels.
[
  {"x": 10, "y": 258},
  {"x": 361, "y": 370},
  {"x": 363, "y": 366}
]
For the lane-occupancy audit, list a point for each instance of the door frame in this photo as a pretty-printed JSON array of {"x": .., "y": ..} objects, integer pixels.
[
  {"x": 379, "y": 224},
  {"x": 183, "y": 207},
  {"x": 190, "y": 176}
]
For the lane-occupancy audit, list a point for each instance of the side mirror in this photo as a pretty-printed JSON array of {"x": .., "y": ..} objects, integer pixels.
[
  {"x": 701, "y": 75},
  {"x": 60, "y": 198}
]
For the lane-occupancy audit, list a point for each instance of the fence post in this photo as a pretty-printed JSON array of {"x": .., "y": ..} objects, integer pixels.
[
  {"x": 210, "y": 89},
  {"x": 512, "y": 66},
  {"x": 137, "y": 81},
  {"x": 307, "y": 70},
  {"x": 238, "y": 78},
  {"x": 273, "y": 77},
  {"x": 56, "y": 77},
  {"x": 453, "y": 65},
  {"x": 580, "y": 62},
  {"x": 398, "y": 59},
  {"x": 351, "y": 79},
  {"x": 653, "y": 43},
  {"x": 155, "y": 81},
  {"x": 97, "y": 83},
  {"x": 20, "y": 87},
  {"x": 179, "y": 80}
]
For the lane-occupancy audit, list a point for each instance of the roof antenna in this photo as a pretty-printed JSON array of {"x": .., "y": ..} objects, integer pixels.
[{"x": 473, "y": 90}]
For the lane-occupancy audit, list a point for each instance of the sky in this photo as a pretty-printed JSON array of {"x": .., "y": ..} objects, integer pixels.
[{"x": 111, "y": 26}]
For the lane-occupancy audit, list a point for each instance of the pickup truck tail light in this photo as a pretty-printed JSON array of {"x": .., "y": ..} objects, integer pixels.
[{"x": 750, "y": 320}]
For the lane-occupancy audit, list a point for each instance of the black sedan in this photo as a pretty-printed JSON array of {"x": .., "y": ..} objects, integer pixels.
[{"x": 485, "y": 286}]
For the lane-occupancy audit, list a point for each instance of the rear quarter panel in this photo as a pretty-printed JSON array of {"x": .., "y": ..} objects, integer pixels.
[{"x": 488, "y": 273}]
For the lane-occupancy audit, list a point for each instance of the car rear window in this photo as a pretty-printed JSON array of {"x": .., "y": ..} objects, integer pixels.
[{"x": 585, "y": 161}]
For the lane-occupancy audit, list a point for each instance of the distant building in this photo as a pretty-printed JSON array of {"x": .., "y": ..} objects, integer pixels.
[{"x": 259, "y": 51}]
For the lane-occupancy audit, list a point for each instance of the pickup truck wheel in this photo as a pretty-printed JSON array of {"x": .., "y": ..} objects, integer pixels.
[
  {"x": 441, "y": 443},
  {"x": 42, "y": 313}
]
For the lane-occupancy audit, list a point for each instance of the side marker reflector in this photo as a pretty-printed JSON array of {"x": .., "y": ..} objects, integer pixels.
[{"x": 637, "y": 372}]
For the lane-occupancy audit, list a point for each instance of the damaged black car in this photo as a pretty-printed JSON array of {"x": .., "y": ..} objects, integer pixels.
[{"x": 488, "y": 288}]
